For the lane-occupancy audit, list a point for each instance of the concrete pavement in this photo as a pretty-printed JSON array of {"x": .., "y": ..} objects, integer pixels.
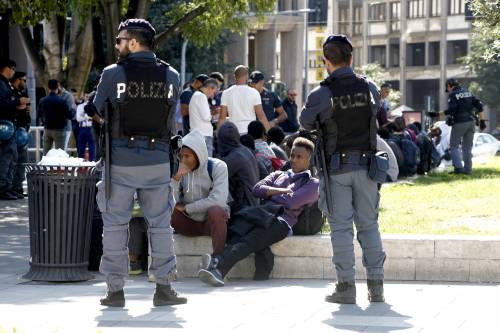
[{"x": 278, "y": 305}]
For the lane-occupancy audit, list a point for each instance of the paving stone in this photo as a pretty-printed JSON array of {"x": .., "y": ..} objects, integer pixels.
[
  {"x": 468, "y": 249},
  {"x": 298, "y": 267},
  {"x": 485, "y": 271},
  {"x": 439, "y": 269}
]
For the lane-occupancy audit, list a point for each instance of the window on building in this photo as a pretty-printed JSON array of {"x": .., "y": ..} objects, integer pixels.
[
  {"x": 344, "y": 20},
  {"x": 394, "y": 55},
  {"x": 319, "y": 16},
  {"x": 281, "y": 5},
  {"x": 278, "y": 61},
  {"x": 377, "y": 55},
  {"x": 434, "y": 53},
  {"x": 377, "y": 12},
  {"x": 456, "y": 7},
  {"x": 416, "y": 8},
  {"x": 357, "y": 19},
  {"x": 395, "y": 16},
  {"x": 415, "y": 54},
  {"x": 456, "y": 50},
  {"x": 435, "y": 8}
]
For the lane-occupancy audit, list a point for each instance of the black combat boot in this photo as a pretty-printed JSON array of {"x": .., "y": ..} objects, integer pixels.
[
  {"x": 376, "y": 290},
  {"x": 114, "y": 299},
  {"x": 345, "y": 293},
  {"x": 166, "y": 295}
]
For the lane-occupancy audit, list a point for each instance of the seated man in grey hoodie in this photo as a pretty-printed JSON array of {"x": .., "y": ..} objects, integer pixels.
[{"x": 200, "y": 189}]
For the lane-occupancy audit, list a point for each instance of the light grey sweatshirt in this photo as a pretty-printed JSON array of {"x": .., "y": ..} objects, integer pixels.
[{"x": 196, "y": 190}]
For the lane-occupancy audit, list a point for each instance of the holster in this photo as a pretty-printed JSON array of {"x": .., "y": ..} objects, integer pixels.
[{"x": 378, "y": 167}]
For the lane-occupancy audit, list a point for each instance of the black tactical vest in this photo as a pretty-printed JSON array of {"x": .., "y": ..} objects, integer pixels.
[
  {"x": 352, "y": 126},
  {"x": 145, "y": 110}
]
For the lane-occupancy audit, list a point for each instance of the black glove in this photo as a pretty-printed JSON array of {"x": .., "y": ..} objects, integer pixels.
[
  {"x": 482, "y": 125},
  {"x": 433, "y": 114}
]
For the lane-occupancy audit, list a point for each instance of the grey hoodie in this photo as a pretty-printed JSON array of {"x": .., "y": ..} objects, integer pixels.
[{"x": 196, "y": 190}]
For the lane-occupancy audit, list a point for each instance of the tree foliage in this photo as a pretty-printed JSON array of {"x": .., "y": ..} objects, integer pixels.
[
  {"x": 374, "y": 72},
  {"x": 484, "y": 58},
  {"x": 31, "y": 12},
  {"x": 202, "y": 21},
  {"x": 487, "y": 27}
]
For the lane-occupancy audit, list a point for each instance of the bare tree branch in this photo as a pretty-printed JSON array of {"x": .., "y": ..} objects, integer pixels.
[{"x": 177, "y": 26}]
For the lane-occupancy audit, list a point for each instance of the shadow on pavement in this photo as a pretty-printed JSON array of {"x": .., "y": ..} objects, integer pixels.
[
  {"x": 161, "y": 317},
  {"x": 379, "y": 318}
]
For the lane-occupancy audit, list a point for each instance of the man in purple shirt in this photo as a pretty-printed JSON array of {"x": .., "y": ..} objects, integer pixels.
[{"x": 293, "y": 190}]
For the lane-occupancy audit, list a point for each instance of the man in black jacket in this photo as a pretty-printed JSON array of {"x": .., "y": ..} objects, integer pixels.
[
  {"x": 242, "y": 167},
  {"x": 9, "y": 106},
  {"x": 54, "y": 113},
  {"x": 23, "y": 122}
]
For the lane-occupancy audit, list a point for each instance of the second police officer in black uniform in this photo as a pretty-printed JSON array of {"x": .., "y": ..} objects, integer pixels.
[
  {"x": 344, "y": 109},
  {"x": 142, "y": 92},
  {"x": 461, "y": 116}
]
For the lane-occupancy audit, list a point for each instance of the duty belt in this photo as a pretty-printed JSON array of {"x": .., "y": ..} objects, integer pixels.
[
  {"x": 355, "y": 157},
  {"x": 151, "y": 141}
]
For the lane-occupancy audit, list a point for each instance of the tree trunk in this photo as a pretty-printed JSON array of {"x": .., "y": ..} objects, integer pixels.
[
  {"x": 111, "y": 22},
  {"x": 29, "y": 48},
  {"x": 52, "y": 48},
  {"x": 80, "y": 53},
  {"x": 142, "y": 10}
]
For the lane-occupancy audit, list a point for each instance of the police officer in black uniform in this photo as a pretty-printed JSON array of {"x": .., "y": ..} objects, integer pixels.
[
  {"x": 461, "y": 116},
  {"x": 271, "y": 103},
  {"x": 344, "y": 109},
  {"x": 141, "y": 92},
  {"x": 10, "y": 106}
]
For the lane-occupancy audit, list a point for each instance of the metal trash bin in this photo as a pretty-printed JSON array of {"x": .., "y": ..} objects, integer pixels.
[{"x": 61, "y": 205}]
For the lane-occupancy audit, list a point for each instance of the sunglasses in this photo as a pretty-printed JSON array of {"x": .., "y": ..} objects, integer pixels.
[{"x": 118, "y": 40}]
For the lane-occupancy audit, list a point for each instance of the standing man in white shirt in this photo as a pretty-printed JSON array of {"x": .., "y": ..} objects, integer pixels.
[
  {"x": 200, "y": 116},
  {"x": 85, "y": 136},
  {"x": 242, "y": 103}
]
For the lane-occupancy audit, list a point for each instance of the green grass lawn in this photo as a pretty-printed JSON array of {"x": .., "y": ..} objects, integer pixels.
[{"x": 440, "y": 203}]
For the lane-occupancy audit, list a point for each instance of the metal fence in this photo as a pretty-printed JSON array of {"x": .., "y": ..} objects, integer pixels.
[{"x": 35, "y": 149}]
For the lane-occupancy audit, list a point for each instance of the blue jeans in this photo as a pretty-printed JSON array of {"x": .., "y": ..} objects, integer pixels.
[
  {"x": 85, "y": 137},
  {"x": 210, "y": 145}
]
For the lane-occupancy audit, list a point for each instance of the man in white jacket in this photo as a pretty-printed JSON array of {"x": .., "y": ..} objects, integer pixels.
[
  {"x": 201, "y": 193},
  {"x": 200, "y": 117}
]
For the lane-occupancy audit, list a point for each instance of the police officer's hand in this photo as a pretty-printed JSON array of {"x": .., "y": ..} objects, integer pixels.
[{"x": 482, "y": 124}]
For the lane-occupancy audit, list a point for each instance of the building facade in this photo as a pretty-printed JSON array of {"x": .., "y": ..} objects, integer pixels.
[{"x": 418, "y": 42}]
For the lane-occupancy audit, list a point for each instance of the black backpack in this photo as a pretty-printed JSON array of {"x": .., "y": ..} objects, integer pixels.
[{"x": 310, "y": 221}]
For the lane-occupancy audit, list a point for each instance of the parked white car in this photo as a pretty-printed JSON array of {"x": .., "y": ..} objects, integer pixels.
[{"x": 485, "y": 146}]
